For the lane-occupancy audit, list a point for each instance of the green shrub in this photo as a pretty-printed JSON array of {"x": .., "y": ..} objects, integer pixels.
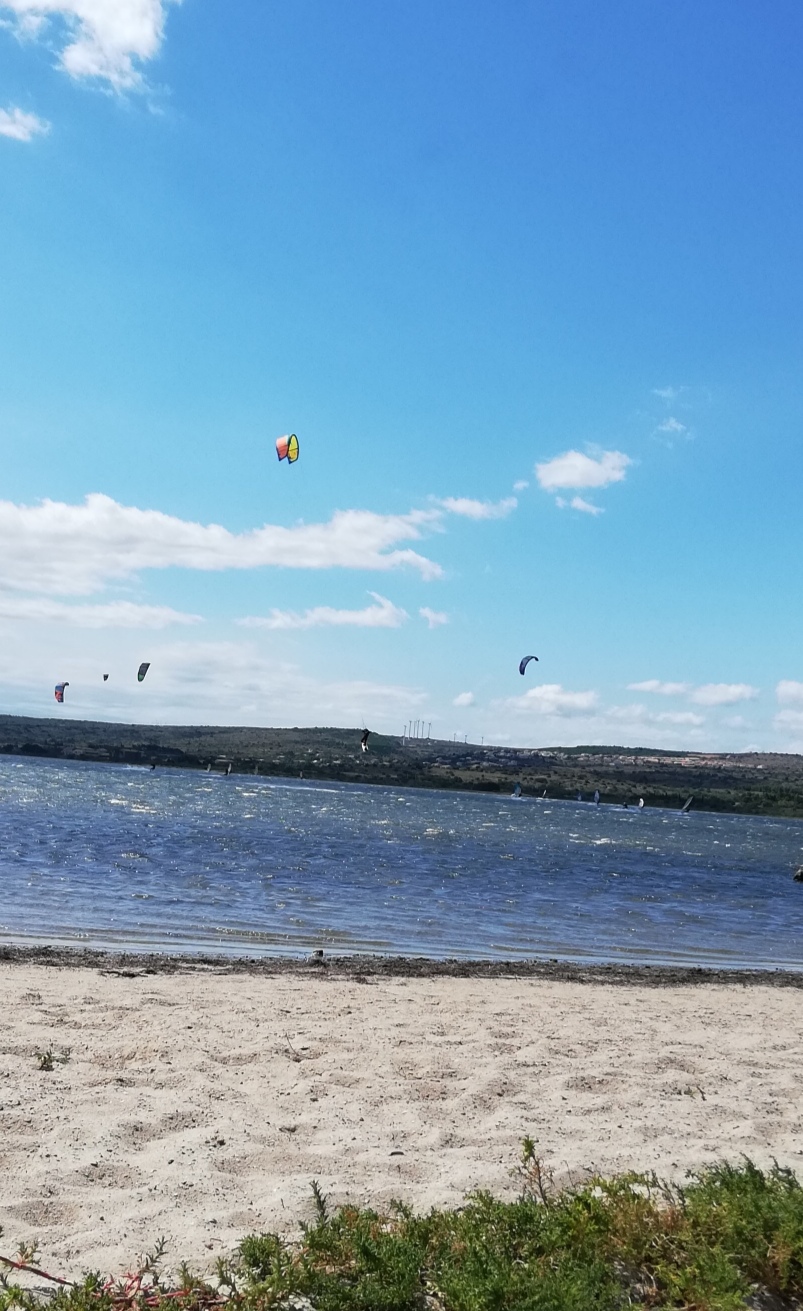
[{"x": 731, "y": 1235}]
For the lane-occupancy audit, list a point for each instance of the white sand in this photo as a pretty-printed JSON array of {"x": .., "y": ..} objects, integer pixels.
[{"x": 200, "y": 1106}]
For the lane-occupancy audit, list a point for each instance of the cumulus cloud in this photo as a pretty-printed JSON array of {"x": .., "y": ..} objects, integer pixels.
[
  {"x": 671, "y": 430},
  {"x": 551, "y": 699},
  {"x": 574, "y": 470},
  {"x": 231, "y": 682},
  {"x": 113, "y": 614},
  {"x": 464, "y": 699},
  {"x": 78, "y": 549},
  {"x": 674, "y": 728},
  {"x": 789, "y": 721},
  {"x": 707, "y": 694},
  {"x": 575, "y": 717},
  {"x": 663, "y": 689},
  {"x": 434, "y": 618},
  {"x": 723, "y": 694},
  {"x": 245, "y": 685},
  {"x": 383, "y": 614},
  {"x": 108, "y": 40},
  {"x": 579, "y": 503},
  {"x": 469, "y": 509},
  {"x": 520, "y": 485},
  {"x": 21, "y": 126},
  {"x": 789, "y": 692}
]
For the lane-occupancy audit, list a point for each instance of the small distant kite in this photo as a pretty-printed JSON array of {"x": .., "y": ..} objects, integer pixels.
[
  {"x": 59, "y": 692},
  {"x": 105, "y": 678},
  {"x": 524, "y": 663},
  {"x": 287, "y": 448},
  {"x": 366, "y": 733},
  {"x": 143, "y": 669}
]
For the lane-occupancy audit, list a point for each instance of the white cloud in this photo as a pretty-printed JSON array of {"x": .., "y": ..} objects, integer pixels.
[
  {"x": 553, "y": 699},
  {"x": 112, "y": 614},
  {"x": 789, "y": 720},
  {"x": 723, "y": 694},
  {"x": 573, "y": 470},
  {"x": 790, "y": 717},
  {"x": 434, "y": 618},
  {"x": 708, "y": 694},
  {"x": 666, "y": 393},
  {"x": 520, "y": 485},
  {"x": 586, "y": 507},
  {"x": 245, "y": 685},
  {"x": 577, "y": 717},
  {"x": 221, "y": 682},
  {"x": 104, "y": 39},
  {"x": 789, "y": 691},
  {"x": 578, "y": 503},
  {"x": 21, "y": 126},
  {"x": 663, "y": 689},
  {"x": 383, "y": 614},
  {"x": 469, "y": 509},
  {"x": 77, "y": 549},
  {"x": 672, "y": 426},
  {"x": 629, "y": 714},
  {"x": 464, "y": 699}
]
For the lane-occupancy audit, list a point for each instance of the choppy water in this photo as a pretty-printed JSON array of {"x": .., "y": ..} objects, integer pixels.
[{"x": 108, "y": 855}]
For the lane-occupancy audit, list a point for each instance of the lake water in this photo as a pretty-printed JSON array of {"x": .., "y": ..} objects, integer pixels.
[{"x": 114, "y": 856}]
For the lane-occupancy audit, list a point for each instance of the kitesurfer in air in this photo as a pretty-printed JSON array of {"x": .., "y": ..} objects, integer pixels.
[{"x": 366, "y": 733}]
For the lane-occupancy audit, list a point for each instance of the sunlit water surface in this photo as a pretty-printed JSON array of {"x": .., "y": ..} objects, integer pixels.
[{"x": 114, "y": 856}]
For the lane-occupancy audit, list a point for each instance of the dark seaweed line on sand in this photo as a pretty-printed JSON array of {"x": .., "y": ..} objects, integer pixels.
[{"x": 364, "y": 969}]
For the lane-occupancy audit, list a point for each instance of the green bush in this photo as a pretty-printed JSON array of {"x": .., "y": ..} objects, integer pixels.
[{"x": 731, "y": 1235}]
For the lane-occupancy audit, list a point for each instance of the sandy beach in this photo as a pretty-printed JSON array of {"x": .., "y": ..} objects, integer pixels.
[{"x": 199, "y": 1104}]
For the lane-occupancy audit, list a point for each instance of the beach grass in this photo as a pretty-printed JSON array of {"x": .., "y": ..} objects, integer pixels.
[{"x": 731, "y": 1237}]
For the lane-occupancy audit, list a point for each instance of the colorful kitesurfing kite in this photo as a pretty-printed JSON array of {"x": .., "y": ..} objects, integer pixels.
[
  {"x": 59, "y": 692},
  {"x": 524, "y": 663},
  {"x": 143, "y": 669},
  {"x": 287, "y": 448}
]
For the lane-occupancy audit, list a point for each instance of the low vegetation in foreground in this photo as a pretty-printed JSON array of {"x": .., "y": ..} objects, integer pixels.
[{"x": 731, "y": 1238}]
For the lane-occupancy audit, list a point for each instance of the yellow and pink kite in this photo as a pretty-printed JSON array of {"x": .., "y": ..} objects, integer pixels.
[{"x": 287, "y": 448}]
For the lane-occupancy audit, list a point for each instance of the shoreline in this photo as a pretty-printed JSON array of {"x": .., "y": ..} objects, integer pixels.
[
  {"x": 359, "y": 968},
  {"x": 748, "y": 783}
]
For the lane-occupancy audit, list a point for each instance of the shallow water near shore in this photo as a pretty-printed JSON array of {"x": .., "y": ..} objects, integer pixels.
[{"x": 120, "y": 857}]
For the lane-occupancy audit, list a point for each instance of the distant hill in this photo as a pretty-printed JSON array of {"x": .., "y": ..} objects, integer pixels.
[{"x": 754, "y": 783}]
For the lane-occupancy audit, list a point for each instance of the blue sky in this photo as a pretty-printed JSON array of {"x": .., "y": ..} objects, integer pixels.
[{"x": 526, "y": 284}]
